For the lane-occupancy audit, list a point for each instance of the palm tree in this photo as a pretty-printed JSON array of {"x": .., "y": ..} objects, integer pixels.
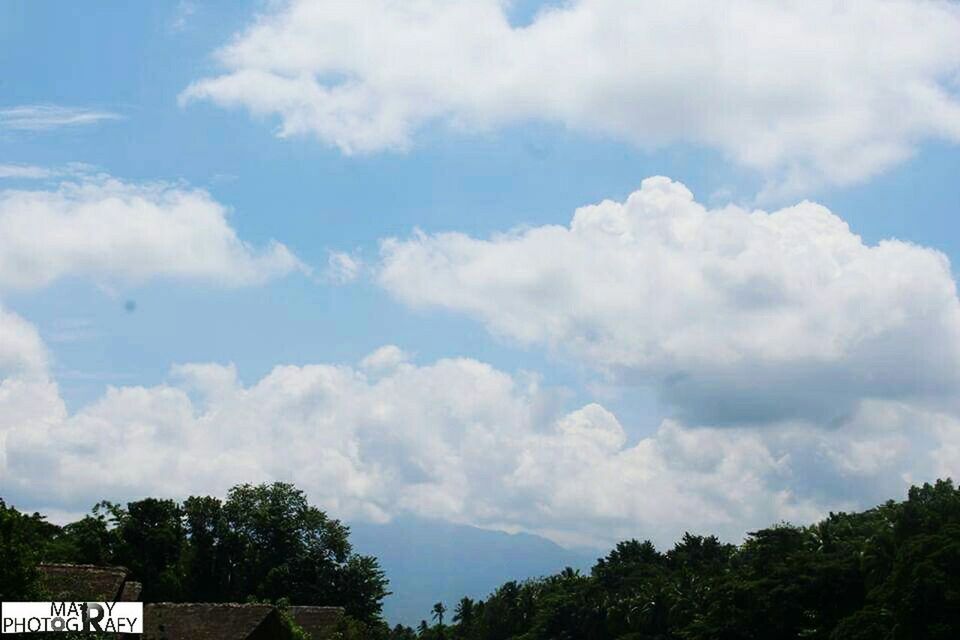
[
  {"x": 438, "y": 611},
  {"x": 464, "y": 612}
]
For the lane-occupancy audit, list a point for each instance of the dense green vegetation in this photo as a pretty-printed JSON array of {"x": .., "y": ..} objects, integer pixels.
[
  {"x": 263, "y": 543},
  {"x": 892, "y": 572},
  {"x": 889, "y": 573}
]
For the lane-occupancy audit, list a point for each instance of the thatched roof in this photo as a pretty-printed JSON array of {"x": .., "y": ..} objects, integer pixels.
[
  {"x": 131, "y": 591},
  {"x": 82, "y": 582},
  {"x": 184, "y": 621},
  {"x": 319, "y": 622},
  {"x": 169, "y": 621}
]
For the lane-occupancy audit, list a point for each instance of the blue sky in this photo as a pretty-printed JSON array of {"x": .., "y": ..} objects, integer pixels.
[{"x": 134, "y": 61}]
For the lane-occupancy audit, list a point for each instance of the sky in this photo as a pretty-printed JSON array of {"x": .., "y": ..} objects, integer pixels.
[{"x": 592, "y": 269}]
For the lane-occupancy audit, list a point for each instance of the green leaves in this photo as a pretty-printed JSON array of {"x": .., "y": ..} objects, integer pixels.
[
  {"x": 264, "y": 542},
  {"x": 20, "y": 538},
  {"x": 889, "y": 573}
]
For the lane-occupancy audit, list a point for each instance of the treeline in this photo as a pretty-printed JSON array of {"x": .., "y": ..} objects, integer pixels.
[
  {"x": 889, "y": 573},
  {"x": 263, "y": 543}
]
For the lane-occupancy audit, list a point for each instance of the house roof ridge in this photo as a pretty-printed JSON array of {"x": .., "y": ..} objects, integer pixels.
[{"x": 114, "y": 568}]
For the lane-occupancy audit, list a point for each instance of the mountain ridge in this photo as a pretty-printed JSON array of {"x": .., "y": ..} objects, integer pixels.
[{"x": 430, "y": 560}]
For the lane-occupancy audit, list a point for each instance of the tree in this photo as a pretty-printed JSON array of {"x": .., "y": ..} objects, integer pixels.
[
  {"x": 438, "y": 611},
  {"x": 400, "y": 632},
  {"x": 86, "y": 541},
  {"x": 277, "y": 545},
  {"x": 150, "y": 539},
  {"x": 463, "y": 612},
  {"x": 888, "y": 573},
  {"x": 21, "y": 539},
  {"x": 363, "y": 586},
  {"x": 206, "y": 561},
  {"x": 265, "y": 542}
]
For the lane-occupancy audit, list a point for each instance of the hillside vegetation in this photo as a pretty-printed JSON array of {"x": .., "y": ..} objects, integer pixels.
[{"x": 888, "y": 573}]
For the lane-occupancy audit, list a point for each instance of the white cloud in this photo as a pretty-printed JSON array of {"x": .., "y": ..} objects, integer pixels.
[
  {"x": 806, "y": 92},
  {"x": 113, "y": 231},
  {"x": 182, "y": 14},
  {"x": 386, "y": 358},
  {"x": 853, "y": 349},
  {"x": 21, "y": 349},
  {"x": 28, "y": 397},
  {"x": 71, "y": 170},
  {"x": 455, "y": 439},
  {"x": 25, "y": 171},
  {"x": 732, "y": 315},
  {"x": 46, "y": 117},
  {"x": 342, "y": 268}
]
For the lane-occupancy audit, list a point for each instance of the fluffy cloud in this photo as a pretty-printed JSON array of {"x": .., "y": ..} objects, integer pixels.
[
  {"x": 28, "y": 397},
  {"x": 21, "y": 349},
  {"x": 454, "y": 439},
  {"x": 846, "y": 353},
  {"x": 386, "y": 358},
  {"x": 109, "y": 230},
  {"x": 803, "y": 91},
  {"x": 733, "y": 315}
]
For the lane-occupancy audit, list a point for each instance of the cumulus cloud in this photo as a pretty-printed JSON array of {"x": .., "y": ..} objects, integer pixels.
[
  {"x": 844, "y": 352},
  {"x": 114, "y": 231},
  {"x": 386, "y": 358},
  {"x": 733, "y": 315},
  {"x": 46, "y": 117},
  {"x": 805, "y": 92},
  {"x": 28, "y": 397},
  {"x": 454, "y": 439},
  {"x": 21, "y": 348}
]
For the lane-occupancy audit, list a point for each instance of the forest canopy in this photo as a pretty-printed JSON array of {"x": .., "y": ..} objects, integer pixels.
[
  {"x": 263, "y": 543},
  {"x": 888, "y": 573}
]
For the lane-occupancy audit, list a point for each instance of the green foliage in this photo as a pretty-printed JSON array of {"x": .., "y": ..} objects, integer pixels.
[
  {"x": 353, "y": 629},
  {"x": 889, "y": 573},
  {"x": 438, "y": 612},
  {"x": 291, "y": 630},
  {"x": 206, "y": 559},
  {"x": 275, "y": 545},
  {"x": 22, "y": 537},
  {"x": 264, "y": 542},
  {"x": 149, "y": 540}
]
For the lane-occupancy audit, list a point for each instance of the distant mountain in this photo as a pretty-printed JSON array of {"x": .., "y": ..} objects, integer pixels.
[{"x": 429, "y": 561}]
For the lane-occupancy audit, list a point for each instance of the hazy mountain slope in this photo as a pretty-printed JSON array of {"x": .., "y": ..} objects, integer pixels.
[{"x": 429, "y": 561}]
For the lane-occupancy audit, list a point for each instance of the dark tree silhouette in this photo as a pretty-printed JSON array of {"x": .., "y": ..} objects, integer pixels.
[
  {"x": 438, "y": 611},
  {"x": 888, "y": 573}
]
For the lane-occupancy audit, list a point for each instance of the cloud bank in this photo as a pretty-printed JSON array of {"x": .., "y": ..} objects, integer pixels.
[
  {"x": 733, "y": 315},
  {"x": 807, "y": 372},
  {"x": 453, "y": 439},
  {"x": 114, "y": 231},
  {"x": 804, "y": 92}
]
